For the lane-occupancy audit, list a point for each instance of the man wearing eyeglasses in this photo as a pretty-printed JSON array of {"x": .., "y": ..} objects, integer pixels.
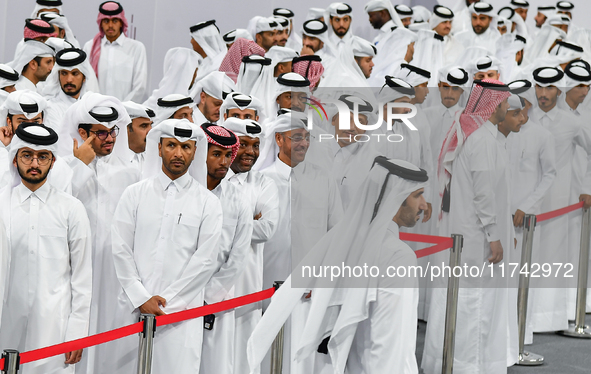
[
  {"x": 49, "y": 286},
  {"x": 97, "y": 124}
]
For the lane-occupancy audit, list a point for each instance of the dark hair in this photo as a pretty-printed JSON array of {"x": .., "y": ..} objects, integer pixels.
[
  {"x": 130, "y": 127},
  {"x": 86, "y": 127},
  {"x": 37, "y": 60}
]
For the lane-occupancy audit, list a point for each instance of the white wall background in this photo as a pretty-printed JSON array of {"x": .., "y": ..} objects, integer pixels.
[{"x": 163, "y": 24}]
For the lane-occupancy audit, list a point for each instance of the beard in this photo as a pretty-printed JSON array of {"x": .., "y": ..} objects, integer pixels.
[
  {"x": 37, "y": 180},
  {"x": 74, "y": 93}
]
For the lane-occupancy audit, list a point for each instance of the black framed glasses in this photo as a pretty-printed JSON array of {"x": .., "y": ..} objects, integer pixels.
[
  {"x": 104, "y": 134},
  {"x": 43, "y": 159}
]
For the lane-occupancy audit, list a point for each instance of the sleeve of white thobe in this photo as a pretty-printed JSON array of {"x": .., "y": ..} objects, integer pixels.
[
  {"x": 583, "y": 139},
  {"x": 335, "y": 204},
  {"x": 483, "y": 182},
  {"x": 547, "y": 159},
  {"x": 268, "y": 205},
  {"x": 139, "y": 82},
  {"x": 80, "y": 246}
]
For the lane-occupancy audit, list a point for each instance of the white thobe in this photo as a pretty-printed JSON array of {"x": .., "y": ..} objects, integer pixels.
[
  {"x": 136, "y": 160},
  {"x": 54, "y": 118},
  {"x": 49, "y": 287},
  {"x": 99, "y": 186},
  {"x": 385, "y": 342},
  {"x": 309, "y": 206},
  {"x": 549, "y": 308},
  {"x": 122, "y": 68},
  {"x": 480, "y": 211},
  {"x": 261, "y": 192},
  {"x": 234, "y": 244},
  {"x": 533, "y": 168},
  {"x": 24, "y": 83},
  {"x": 4, "y": 257},
  {"x": 165, "y": 242},
  {"x": 488, "y": 39},
  {"x": 384, "y": 30}
]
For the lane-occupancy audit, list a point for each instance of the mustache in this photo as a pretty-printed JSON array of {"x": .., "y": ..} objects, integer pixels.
[{"x": 35, "y": 169}]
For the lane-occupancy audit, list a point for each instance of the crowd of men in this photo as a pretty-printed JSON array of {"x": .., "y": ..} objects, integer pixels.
[{"x": 276, "y": 146}]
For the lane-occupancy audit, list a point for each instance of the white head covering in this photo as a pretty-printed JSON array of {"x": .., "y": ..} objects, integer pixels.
[
  {"x": 25, "y": 102},
  {"x": 394, "y": 89},
  {"x": 362, "y": 47},
  {"x": 251, "y": 71},
  {"x": 429, "y": 53},
  {"x": 136, "y": 110},
  {"x": 575, "y": 75},
  {"x": 259, "y": 24},
  {"x": 315, "y": 13},
  {"x": 244, "y": 127},
  {"x": 179, "y": 67},
  {"x": 182, "y": 130},
  {"x": 338, "y": 10},
  {"x": 548, "y": 76},
  {"x": 59, "y": 44},
  {"x": 216, "y": 84},
  {"x": 524, "y": 89},
  {"x": 30, "y": 49},
  {"x": 37, "y": 137},
  {"x": 46, "y": 4},
  {"x": 282, "y": 22},
  {"x": 454, "y": 75},
  {"x": 94, "y": 108},
  {"x": 541, "y": 44},
  {"x": 61, "y": 22},
  {"x": 548, "y": 11},
  {"x": 375, "y": 5},
  {"x": 516, "y": 4},
  {"x": 485, "y": 63},
  {"x": 207, "y": 35},
  {"x": 291, "y": 82},
  {"x": 242, "y": 102},
  {"x": 70, "y": 59},
  {"x": 482, "y": 8},
  {"x": 440, "y": 14},
  {"x": 515, "y": 102},
  {"x": 279, "y": 54},
  {"x": 231, "y": 36},
  {"x": 339, "y": 305},
  {"x": 8, "y": 76},
  {"x": 169, "y": 104},
  {"x": 413, "y": 75}
]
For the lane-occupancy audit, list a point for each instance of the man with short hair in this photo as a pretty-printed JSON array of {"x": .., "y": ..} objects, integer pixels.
[
  {"x": 207, "y": 41},
  {"x": 34, "y": 62},
  {"x": 166, "y": 230},
  {"x": 261, "y": 192},
  {"x": 209, "y": 94},
  {"x": 119, "y": 62},
  {"x": 51, "y": 255},
  {"x": 481, "y": 34},
  {"x": 234, "y": 248},
  {"x": 98, "y": 126},
  {"x": 137, "y": 131}
]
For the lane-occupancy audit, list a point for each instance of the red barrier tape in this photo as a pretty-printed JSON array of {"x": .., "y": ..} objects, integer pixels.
[
  {"x": 104, "y": 337},
  {"x": 441, "y": 243},
  {"x": 558, "y": 212}
]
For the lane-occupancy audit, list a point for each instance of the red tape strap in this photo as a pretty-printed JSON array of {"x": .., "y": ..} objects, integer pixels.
[
  {"x": 558, "y": 212},
  {"x": 434, "y": 249},
  {"x": 136, "y": 328},
  {"x": 214, "y": 308},
  {"x": 441, "y": 243}
]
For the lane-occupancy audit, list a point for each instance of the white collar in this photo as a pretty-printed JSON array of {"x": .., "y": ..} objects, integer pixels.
[
  {"x": 181, "y": 183},
  {"x": 24, "y": 193},
  {"x": 120, "y": 40}
]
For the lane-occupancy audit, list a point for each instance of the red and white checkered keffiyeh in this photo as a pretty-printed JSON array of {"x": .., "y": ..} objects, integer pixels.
[
  {"x": 213, "y": 132},
  {"x": 312, "y": 70},
  {"x": 241, "y": 48},
  {"x": 95, "y": 52},
  {"x": 32, "y": 34},
  {"x": 481, "y": 105}
]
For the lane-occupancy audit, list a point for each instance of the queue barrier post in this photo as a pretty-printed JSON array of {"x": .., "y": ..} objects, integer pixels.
[
  {"x": 579, "y": 330},
  {"x": 11, "y": 361},
  {"x": 451, "y": 311},
  {"x": 146, "y": 348},
  {"x": 277, "y": 347},
  {"x": 526, "y": 358}
]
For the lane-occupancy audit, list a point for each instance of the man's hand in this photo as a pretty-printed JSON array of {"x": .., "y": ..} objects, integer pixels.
[
  {"x": 73, "y": 357},
  {"x": 306, "y": 51},
  {"x": 586, "y": 199},
  {"x": 6, "y": 135},
  {"x": 85, "y": 153},
  {"x": 497, "y": 252},
  {"x": 258, "y": 216},
  {"x": 427, "y": 213},
  {"x": 152, "y": 306},
  {"x": 410, "y": 51},
  {"x": 518, "y": 218}
]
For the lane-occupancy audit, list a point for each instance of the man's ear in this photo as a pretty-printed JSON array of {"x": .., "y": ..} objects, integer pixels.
[
  {"x": 278, "y": 139},
  {"x": 83, "y": 134},
  {"x": 202, "y": 97},
  {"x": 559, "y": 92},
  {"x": 160, "y": 149},
  {"x": 258, "y": 39},
  {"x": 33, "y": 65},
  {"x": 52, "y": 162}
]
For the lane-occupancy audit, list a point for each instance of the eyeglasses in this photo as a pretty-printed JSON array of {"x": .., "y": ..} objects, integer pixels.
[
  {"x": 42, "y": 159},
  {"x": 299, "y": 138},
  {"x": 102, "y": 134}
]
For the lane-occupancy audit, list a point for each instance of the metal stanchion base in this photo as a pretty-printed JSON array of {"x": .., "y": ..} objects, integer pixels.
[
  {"x": 530, "y": 359},
  {"x": 577, "y": 332}
]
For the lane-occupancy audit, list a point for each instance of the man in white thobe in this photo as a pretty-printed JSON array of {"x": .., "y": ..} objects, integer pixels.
[
  {"x": 137, "y": 130},
  {"x": 119, "y": 62},
  {"x": 219, "y": 335},
  {"x": 49, "y": 286},
  {"x": 34, "y": 62},
  {"x": 166, "y": 232},
  {"x": 207, "y": 41},
  {"x": 8, "y": 78},
  {"x": 261, "y": 192},
  {"x": 482, "y": 33},
  {"x": 383, "y": 17},
  {"x": 98, "y": 126},
  {"x": 209, "y": 94},
  {"x": 479, "y": 210}
]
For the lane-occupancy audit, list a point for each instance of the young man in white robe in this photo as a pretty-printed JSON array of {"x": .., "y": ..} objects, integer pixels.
[
  {"x": 209, "y": 94},
  {"x": 207, "y": 41},
  {"x": 34, "y": 62},
  {"x": 479, "y": 209},
  {"x": 234, "y": 247},
  {"x": 166, "y": 232},
  {"x": 482, "y": 32},
  {"x": 365, "y": 324},
  {"x": 261, "y": 192},
  {"x": 137, "y": 131},
  {"x": 49, "y": 287}
]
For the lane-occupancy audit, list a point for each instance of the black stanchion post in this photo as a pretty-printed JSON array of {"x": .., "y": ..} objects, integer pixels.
[
  {"x": 144, "y": 365},
  {"x": 451, "y": 311},
  {"x": 11, "y": 361},
  {"x": 580, "y": 330},
  {"x": 526, "y": 358},
  {"x": 277, "y": 347}
]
